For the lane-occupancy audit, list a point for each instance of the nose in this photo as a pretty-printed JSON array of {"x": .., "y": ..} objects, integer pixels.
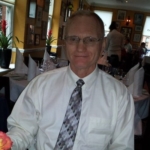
[{"x": 81, "y": 46}]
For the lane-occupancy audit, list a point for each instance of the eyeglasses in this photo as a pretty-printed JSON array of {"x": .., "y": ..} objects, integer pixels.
[{"x": 88, "y": 41}]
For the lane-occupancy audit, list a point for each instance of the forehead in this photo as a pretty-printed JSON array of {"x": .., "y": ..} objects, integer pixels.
[
  {"x": 83, "y": 20},
  {"x": 84, "y": 24}
]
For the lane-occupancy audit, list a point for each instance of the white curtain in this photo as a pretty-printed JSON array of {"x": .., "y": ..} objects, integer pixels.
[
  {"x": 106, "y": 16},
  {"x": 146, "y": 30},
  {"x": 51, "y": 7},
  {"x": 9, "y": 1}
]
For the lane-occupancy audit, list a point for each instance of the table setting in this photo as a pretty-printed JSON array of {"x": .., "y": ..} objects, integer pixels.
[
  {"x": 134, "y": 82},
  {"x": 22, "y": 75},
  {"x": 129, "y": 77}
]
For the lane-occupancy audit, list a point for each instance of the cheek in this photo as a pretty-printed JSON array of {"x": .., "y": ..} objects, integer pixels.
[
  {"x": 99, "y": 51},
  {"x": 96, "y": 53},
  {"x": 68, "y": 52},
  {"x": 95, "y": 57}
]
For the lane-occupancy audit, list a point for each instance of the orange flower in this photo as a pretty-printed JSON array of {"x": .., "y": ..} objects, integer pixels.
[{"x": 5, "y": 141}]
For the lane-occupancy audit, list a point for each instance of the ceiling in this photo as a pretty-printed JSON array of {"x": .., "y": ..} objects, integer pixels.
[{"x": 137, "y": 5}]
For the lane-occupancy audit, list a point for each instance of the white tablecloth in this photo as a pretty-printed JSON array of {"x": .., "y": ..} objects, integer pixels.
[
  {"x": 4, "y": 71},
  {"x": 16, "y": 87},
  {"x": 17, "y": 82},
  {"x": 141, "y": 111}
]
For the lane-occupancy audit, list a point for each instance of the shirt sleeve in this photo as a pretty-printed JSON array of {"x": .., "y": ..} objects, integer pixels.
[
  {"x": 123, "y": 136},
  {"x": 22, "y": 123}
]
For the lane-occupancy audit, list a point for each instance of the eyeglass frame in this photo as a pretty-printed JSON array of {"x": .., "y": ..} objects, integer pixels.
[{"x": 83, "y": 40}]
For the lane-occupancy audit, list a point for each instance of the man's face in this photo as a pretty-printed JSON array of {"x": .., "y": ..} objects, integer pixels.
[{"x": 84, "y": 56}]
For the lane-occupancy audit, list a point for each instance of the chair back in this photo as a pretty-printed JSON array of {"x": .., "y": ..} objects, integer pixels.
[
  {"x": 4, "y": 83},
  {"x": 114, "y": 61},
  {"x": 147, "y": 75},
  {"x": 4, "y": 103}
]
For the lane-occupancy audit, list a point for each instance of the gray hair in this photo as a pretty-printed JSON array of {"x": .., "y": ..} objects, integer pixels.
[{"x": 84, "y": 13}]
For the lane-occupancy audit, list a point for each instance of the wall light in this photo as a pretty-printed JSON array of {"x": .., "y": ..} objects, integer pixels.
[{"x": 128, "y": 21}]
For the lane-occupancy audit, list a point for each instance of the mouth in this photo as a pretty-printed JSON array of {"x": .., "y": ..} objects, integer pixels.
[{"x": 81, "y": 56}]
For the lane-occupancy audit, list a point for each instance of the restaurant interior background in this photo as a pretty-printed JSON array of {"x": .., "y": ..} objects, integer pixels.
[{"x": 30, "y": 21}]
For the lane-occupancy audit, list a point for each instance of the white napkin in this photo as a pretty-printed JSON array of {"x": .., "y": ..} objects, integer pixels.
[
  {"x": 48, "y": 64},
  {"x": 63, "y": 53},
  {"x": 33, "y": 70},
  {"x": 46, "y": 56},
  {"x": 20, "y": 67},
  {"x": 128, "y": 80},
  {"x": 137, "y": 86}
]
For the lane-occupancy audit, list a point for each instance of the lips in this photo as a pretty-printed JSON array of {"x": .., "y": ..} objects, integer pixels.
[{"x": 81, "y": 56}]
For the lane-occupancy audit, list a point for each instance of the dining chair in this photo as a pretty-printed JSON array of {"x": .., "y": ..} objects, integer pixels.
[
  {"x": 114, "y": 61},
  {"x": 144, "y": 138},
  {"x": 147, "y": 81},
  {"x": 4, "y": 83},
  {"x": 4, "y": 103},
  {"x": 147, "y": 76},
  {"x": 4, "y": 113}
]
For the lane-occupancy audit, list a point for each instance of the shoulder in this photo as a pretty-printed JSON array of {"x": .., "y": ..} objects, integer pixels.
[
  {"x": 53, "y": 72},
  {"x": 107, "y": 78},
  {"x": 49, "y": 77},
  {"x": 111, "y": 84}
]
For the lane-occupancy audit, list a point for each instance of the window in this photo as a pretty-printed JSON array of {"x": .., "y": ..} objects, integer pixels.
[
  {"x": 106, "y": 16},
  {"x": 146, "y": 32},
  {"x": 6, "y": 12},
  {"x": 50, "y": 14}
]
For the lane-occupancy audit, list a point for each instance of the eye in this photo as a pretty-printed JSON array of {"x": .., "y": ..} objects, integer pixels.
[
  {"x": 92, "y": 39},
  {"x": 73, "y": 38},
  {"x": 89, "y": 40}
]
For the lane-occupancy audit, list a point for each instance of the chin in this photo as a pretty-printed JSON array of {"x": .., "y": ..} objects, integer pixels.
[{"x": 81, "y": 66}]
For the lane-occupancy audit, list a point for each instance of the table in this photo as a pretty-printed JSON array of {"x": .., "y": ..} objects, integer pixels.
[
  {"x": 16, "y": 87},
  {"x": 17, "y": 82},
  {"x": 141, "y": 104},
  {"x": 4, "y": 71}
]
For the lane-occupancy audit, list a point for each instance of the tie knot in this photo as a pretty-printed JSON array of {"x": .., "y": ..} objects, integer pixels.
[{"x": 80, "y": 82}]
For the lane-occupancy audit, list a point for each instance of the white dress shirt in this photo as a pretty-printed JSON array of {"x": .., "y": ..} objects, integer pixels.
[{"x": 106, "y": 121}]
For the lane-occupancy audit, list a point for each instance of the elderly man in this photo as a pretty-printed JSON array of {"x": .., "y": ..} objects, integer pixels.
[{"x": 99, "y": 114}]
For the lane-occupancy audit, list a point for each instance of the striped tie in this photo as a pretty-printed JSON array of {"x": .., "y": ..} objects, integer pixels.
[{"x": 69, "y": 127}]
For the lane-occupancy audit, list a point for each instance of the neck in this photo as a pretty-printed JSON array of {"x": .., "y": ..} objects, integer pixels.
[{"x": 81, "y": 72}]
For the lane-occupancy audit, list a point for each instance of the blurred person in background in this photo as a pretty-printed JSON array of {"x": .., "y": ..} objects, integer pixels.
[
  {"x": 115, "y": 41},
  {"x": 129, "y": 54}
]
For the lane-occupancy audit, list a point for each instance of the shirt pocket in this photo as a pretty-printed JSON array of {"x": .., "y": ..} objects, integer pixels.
[{"x": 99, "y": 131}]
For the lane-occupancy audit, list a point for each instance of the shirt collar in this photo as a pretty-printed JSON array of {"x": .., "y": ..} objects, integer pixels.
[{"x": 88, "y": 80}]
